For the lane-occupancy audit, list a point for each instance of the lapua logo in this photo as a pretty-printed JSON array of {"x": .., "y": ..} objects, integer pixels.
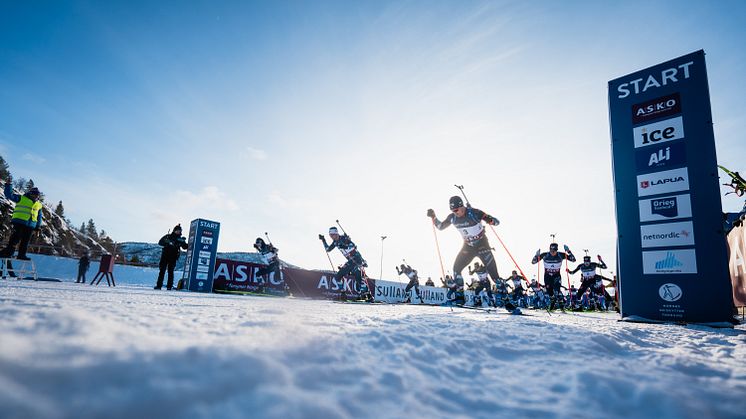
[
  {"x": 656, "y": 108},
  {"x": 645, "y": 184},
  {"x": 663, "y": 182}
]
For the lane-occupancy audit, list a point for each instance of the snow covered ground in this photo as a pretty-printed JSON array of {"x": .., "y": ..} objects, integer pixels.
[{"x": 68, "y": 350}]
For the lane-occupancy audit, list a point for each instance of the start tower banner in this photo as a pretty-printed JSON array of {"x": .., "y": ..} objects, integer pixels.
[
  {"x": 672, "y": 256},
  {"x": 201, "y": 255}
]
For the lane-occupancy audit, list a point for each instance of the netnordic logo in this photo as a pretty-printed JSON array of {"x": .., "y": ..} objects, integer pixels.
[
  {"x": 670, "y": 292},
  {"x": 679, "y": 261},
  {"x": 658, "y": 132},
  {"x": 663, "y": 182},
  {"x": 656, "y": 108},
  {"x": 667, "y": 234},
  {"x": 665, "y": 208}
]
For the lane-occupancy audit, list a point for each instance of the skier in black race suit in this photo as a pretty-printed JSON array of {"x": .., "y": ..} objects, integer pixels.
[
  {"x": 552, "y": 265},
  {"x": 355, "y": 262},
  {"x": 468, "y": 221},
  {"x": 588, "y": 276},
  {"x": 482, "y": 284},
  {"x": 414, "y": 281},
  {"x": 271, "y": 259}
]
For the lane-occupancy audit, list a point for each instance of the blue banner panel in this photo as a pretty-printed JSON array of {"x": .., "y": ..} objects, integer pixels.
[
  {"x": 672, "y": 254},
  {"x": 199, "y": 268}
]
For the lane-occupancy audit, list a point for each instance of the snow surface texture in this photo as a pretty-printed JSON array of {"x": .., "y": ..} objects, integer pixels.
[{"x": 75, "y": 351}]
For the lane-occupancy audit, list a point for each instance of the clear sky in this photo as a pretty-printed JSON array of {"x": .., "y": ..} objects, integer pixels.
[{"x": 285, "y": 116}]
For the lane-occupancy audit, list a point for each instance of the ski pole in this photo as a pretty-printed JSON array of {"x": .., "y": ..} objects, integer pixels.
[
  {"x": 268, "y": 239},
  {"x": 342, "y": 228},
  {"x": 461, "y": 188},
  {"x": 330, "y": 259},
  {"x": 525, "y": 278},
  {"x": 437, "y": 246}
]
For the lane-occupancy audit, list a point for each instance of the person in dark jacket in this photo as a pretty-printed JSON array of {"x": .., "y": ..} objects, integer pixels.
[
  {"x": 172, "y": 244},
  {"x": 83, "y": 265},
  {"x": 26, "y": 219}
]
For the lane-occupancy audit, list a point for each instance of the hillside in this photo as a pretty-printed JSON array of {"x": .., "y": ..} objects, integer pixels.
[{"x": 56, "y": 237}]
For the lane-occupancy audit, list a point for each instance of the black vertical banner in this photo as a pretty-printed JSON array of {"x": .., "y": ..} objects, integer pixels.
[{"x": 672, "y": 250}]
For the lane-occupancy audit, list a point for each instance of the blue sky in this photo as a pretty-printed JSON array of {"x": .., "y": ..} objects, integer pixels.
[{"x": 284, "y": 116}]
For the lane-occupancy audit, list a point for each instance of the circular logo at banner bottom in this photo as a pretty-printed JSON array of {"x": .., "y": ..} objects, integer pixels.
[{"x": 670, "y": 292}]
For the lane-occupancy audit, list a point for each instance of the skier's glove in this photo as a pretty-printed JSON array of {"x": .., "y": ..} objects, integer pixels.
[
  {"x": 567, "y": 249},
  {"x": 321, "y": 237},
  {"x": 538, "y": 252},
  {"x": 431, "y": 213},
  {"x": 599, "y": 258}
]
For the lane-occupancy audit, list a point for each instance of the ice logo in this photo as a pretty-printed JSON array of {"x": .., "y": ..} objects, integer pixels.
[
  {"x": 666, "y": 207},
  {"x": 670, "y": 292}
]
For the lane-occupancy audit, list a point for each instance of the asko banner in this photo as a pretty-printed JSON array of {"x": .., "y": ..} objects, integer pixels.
[
  {"x": 737, "y": 264},
  {"x": 320, "y": 284},
  {"x": 672, "y": 255},
  {"x": 238, "y": 276}
]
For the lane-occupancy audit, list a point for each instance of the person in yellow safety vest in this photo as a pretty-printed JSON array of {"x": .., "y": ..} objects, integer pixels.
[{"x": 26, "y": 218}]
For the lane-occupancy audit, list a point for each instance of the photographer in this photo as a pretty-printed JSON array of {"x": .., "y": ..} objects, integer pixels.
[{"x": 172, "y": 243}]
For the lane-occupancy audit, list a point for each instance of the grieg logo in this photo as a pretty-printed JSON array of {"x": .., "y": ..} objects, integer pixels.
[
  {"x": 670, "y": 292},
  {"x": 666, "y": 207},
  {"x": 656, "y": 108}
]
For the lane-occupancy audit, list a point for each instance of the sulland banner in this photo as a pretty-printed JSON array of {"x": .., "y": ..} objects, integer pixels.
[{"x": 671, "y": 245}]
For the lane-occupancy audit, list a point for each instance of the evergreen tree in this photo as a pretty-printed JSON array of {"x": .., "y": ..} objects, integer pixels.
[
  {"x": 82, "y": 228},
  {"x": 60, "y": 210},
  {"x": 30, "y": 184},
  {"x": 135, "y": 259},
  {"x": 90, "y": 229},
  {"x": 4, "y": 170}
]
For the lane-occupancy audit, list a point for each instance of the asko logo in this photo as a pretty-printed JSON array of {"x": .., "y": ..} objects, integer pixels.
[
  {"x": 659, "y": 132},
  {"x": 656, "y": 108},
  {"x": 663, "y": 182}
]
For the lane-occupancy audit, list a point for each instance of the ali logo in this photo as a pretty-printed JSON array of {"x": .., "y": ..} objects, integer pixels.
[
  {"x": 670, "y": 292},
  {"x": 656, "y": 108},
  {"x": 659, "y": 132}
]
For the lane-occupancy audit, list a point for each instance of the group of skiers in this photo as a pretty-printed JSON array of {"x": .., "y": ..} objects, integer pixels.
[{"x": 469, "y": 221}]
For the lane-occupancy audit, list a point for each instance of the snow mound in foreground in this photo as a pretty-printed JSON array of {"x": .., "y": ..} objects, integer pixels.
[{"x": 79, "y": 351}]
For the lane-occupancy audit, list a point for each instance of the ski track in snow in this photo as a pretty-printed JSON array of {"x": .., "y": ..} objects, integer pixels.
[{"x": 69, "y": 350}]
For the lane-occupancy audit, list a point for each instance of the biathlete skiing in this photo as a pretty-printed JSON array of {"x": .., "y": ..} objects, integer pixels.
[
  {"x": 414, "y": 281},
  {"x": 468, "y": 221},
  {"x": 354, "y": 266},
  {"x": 552, "y": 266},
  {"x": 588, "y": 276}
]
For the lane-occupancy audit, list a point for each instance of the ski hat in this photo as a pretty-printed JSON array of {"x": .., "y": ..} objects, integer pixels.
[
  {"x": 33, "y": 191},
  {"x": 177, "y": 227},
  {"x": 586, "y": 258},
  {"x": 259, "y": 241},
  {"x": 333, "y": 230},
  {"x": 455, "y": 202}
]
